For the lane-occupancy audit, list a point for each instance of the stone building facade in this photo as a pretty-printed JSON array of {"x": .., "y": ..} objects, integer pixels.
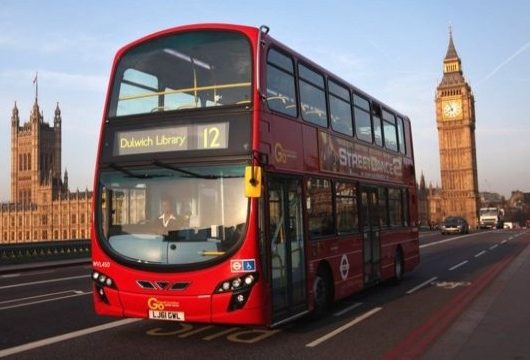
[
  {"x": 42, "y": 208},
  {"x": 455, "y": 119}
]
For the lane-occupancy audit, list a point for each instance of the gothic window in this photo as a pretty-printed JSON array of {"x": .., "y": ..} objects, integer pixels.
[
  {"x": 73, "y": 218},
  {"x": 29, "y": 161},
  {"x": 65, "y": 234}
]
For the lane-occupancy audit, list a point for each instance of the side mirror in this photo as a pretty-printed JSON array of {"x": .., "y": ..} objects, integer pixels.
[{"x": 253, "y": 181}]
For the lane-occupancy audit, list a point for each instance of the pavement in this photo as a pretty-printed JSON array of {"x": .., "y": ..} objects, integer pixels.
[{"x": 496, "y": 325}]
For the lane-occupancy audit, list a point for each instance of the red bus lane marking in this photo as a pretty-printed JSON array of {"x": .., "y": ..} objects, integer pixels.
[{"x": 421, "y": 337}]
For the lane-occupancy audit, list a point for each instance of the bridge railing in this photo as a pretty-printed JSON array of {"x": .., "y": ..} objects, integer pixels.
[{"x": 43, "y": 251}]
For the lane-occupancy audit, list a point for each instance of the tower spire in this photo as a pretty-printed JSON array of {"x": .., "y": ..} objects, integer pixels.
[
  {"x": 36, "y": 83},
  {"x": 451, "y": 50},
  {"x": 15, "y": 120}
]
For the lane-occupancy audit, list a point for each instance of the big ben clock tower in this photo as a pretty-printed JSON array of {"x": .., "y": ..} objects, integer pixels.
[{"x": 455, "y": 120}]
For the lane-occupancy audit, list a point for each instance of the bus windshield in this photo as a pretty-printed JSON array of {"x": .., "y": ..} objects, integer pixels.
[
  {"x": 195, "y": 69},
  {"x": 172, "y": 215}
]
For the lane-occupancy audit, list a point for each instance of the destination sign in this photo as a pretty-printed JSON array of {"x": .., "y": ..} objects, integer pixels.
[{"x": 212, "y": 136}]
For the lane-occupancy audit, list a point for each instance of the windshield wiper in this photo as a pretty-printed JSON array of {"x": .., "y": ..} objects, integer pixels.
[{"x": 131, "y": 174}]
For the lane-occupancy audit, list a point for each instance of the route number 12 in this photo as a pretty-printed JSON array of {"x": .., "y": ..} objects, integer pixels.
[{"x": 210, "y": 137}]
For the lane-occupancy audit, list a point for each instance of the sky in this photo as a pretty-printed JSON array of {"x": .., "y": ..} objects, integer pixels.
[{"x": 392, "y": 49}]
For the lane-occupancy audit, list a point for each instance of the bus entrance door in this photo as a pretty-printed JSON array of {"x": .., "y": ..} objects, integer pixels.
[
  {"x": 287, "y": 260},
  {"x": 371, "y": 234}
]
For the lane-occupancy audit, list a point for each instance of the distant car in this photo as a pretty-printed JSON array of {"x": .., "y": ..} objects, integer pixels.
[{"x": 454, "y": 224}]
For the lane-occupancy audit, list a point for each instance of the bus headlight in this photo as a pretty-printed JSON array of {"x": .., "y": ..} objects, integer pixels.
[
  {"x": 237, "y": 283},
  {"x": 240, "y": 287},
  {"x": 102, "y": 281}
]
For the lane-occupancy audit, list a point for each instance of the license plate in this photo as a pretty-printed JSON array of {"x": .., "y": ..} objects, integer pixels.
[{"x": 166, "y": 315}]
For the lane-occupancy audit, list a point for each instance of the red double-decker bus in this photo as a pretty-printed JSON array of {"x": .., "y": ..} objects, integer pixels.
[{"x": 239, "y": 182}]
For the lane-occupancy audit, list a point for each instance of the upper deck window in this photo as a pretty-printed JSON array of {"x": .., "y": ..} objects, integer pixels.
[
  {"x": 312, "y": 96},
  {"x": 281, "y": 93},
  {"x": 340, "y": 108},
  {"x": 389, "y": 123},
  {"x": 195, "y": 69},
  {"x": 363, "y": 123},
  {"x": 401, "y": 136}
]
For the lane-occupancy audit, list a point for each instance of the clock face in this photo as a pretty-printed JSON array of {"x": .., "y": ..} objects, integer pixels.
[{"x": 451, "y": 109}]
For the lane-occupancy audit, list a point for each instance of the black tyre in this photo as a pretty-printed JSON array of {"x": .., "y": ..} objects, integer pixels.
[
  {"x": 398, "y": 266},
  {"x": 322, "y": 290}
]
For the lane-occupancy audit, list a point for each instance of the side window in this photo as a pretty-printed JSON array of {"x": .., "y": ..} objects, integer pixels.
[
  {"x": 395, "y": 207},
  {"x": 312, "y": 96},
  {"x": 319, "y": 207},
  {"x": 377, "y": 125},
  {"x": 346, "y": 208},
  {"x": 340, "y": 108},
  {"x": 281, "y": 94},
  {"x": 401, "y": 136},
  {"x": 389, "y": 129},
  {"x": 363, "y": 124}
]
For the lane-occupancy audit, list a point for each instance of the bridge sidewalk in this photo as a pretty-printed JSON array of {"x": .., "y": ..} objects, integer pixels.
[{"x": 496, "y": 324}]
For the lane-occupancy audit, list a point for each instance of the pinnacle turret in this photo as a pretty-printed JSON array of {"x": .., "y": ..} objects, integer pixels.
[{"x": 15, "y": 119}]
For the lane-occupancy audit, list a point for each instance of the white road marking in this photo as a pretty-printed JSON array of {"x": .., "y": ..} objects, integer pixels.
[
  {"x": 43, "y": 301},
  {"x": 458, "y": 265},
  {"x": 31, "y": 273},
  {"x": 344, "y": 327},
  {"x": 414, "y": 289},
  {"x": 64, "y": 337},
  {"x": 493, "y": 246},
  {"x": 8, "y": 276},
  {"x": 504, "y": 241},
  {"x": 45, "y": 281},
  {"x": 41, "y": 296},
  {"x": 349, "y": 308},
  {"x": 480, "y": 253},
  {"x": 447, "y": 240}
]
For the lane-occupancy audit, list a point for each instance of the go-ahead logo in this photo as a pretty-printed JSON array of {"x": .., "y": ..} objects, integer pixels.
[
  {"x": 279, "y": 153},
  {"x": 154, "y": 304}
]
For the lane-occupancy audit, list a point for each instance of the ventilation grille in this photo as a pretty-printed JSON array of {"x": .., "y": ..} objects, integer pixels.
[{"x": 162, "y": 285}]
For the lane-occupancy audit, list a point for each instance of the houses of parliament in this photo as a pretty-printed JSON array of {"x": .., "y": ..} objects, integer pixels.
[{"x": 41, "y": 208}]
